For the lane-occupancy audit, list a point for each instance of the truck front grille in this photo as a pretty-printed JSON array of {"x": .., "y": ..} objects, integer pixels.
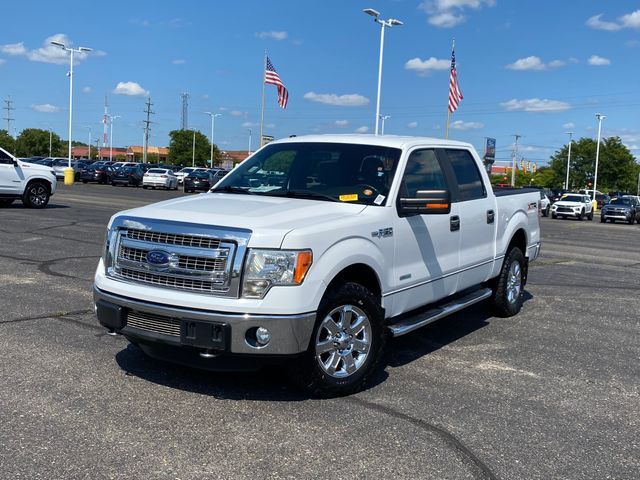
[
  {"x": 173, "y": 239},
  {"x": 169, "y": 281},
  {"x": 154, "y": 323}
]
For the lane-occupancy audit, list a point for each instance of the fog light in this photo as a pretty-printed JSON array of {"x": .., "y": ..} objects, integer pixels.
[{"x": 262, "y": 336}]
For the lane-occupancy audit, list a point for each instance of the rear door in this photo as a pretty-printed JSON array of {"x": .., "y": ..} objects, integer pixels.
[
  {"x": 477, "y": 212},
  {"x": 426, "y": 246}
]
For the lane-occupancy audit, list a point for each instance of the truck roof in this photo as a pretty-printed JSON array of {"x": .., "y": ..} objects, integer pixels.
[{"x": 396, "y": 141}]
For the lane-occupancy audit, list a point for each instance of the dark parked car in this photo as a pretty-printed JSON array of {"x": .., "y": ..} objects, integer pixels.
[
  {"x": 602, "y": 199},
  {"x": 127, "y": 176},
  {"x": 201, "y": 180},
  {"x": 95, "y": 173},
  {"x": 626, "y": 209}
]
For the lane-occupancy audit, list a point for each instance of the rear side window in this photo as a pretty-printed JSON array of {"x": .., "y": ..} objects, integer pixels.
[
  {"x": 423, "y": 172},
  {"x": 470, "y": 186}
]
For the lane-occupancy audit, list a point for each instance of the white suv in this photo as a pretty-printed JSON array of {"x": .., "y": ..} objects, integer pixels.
[
  {"x": 33, "y": 184},
  {"x": 574, "y": 205}
]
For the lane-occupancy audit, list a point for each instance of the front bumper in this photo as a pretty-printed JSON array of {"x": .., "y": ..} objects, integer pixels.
[
  {"x": 202, "y": 330},
  {"x": 626, "y": 216}
]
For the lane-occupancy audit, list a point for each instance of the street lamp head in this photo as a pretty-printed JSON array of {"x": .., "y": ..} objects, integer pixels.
[
  {"x": 208, "y": 113},
  {"x": 394, "y": 21},
  {"x": 85, "y": 49},
  {"x": 58, "y": 44},
  {"x": 372, "y": 12}
]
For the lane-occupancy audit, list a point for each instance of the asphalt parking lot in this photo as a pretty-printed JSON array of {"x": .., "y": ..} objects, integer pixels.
[{"x": 551, "y": 393}]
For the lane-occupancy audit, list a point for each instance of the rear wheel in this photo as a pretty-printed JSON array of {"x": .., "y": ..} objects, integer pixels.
[
  {"x": 631, "y": 220},
  {"x": 590, "y": 216},
  {"x": 508, "y": 288},
  {"x": 603, "y": 219},
  {"x": 36, "y": 195},
  {"x": 346, "y": 344},
  {"x": 5, "y": 202},
  {"x": 85, "y": 181}
]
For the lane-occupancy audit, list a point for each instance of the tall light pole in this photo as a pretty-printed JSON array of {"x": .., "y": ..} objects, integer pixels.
[
  {"x": 50, "y": 141},
  {"x": 193, "y": 150},
  {"x": 383, "y": 118},
  {"x": 68, "y": 178},
  {"x": 566, "y": 183},
  {"x": 111, "y": 119},
  {"x": 249, "y": 151},
  {"x": 383, "y": 23},
  {"x": 213, "y": 125},
  {"x": 600, "y": 117},
  {"x": 90, "y": 130}
]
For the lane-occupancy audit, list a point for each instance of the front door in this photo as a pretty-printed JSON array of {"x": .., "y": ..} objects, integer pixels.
[
  {"x": 10, "y": 176},
  {"x": 426, "y": 246}
]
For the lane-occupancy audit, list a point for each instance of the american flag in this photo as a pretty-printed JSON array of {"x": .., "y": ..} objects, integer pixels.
[
  {"x": 455, "y": 95},
  {"x": 271, "y": 77}
]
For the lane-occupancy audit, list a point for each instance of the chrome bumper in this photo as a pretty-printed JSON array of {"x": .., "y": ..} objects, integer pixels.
[{"x": 290, "y": 334}]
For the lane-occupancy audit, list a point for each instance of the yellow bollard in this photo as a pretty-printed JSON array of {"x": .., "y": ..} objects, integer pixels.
[
  {"x": 69, "y": 175},
  {"x": 595, "y": 206}
]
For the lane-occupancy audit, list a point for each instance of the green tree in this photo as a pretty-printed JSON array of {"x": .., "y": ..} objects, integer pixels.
[
  {"x": 7, "y": 142},
  {"x": 35, "y": 142},
  {"x": 617, "y": 169},
  {"x": 181, "y": 148}
]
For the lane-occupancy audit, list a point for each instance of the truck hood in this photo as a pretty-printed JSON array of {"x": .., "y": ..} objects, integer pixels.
[
  {"x": 269, "y": 218},
  {"x": 563, "y": 203}
]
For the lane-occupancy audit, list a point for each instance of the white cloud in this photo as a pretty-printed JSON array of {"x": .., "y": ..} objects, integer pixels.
[
  {"x": 460, "y": 125},
  {"x": 179, "y": 61},
  {"x": 412, "y": 125},
  {"x": 569, "y": 125},
  {"x": 534, "y": 63},
  {"x": 424, "y": 67},
  {"x": 535, "y": 105},
  {"x": 348, "y": 100},
  {"x": 341, "y": 123},
  {"x": 237, "y": 113},
  {"x": 362, "y": 129},
  {"x": 131, "y": 89},
  {"x": 48, "y": 53},
  {"x": 273, "y": 35},
  {"x": 256, "y": 124},
  {"x": 13, "y": 49},
  {"x": 630, "y": 20},
  {"x": 598, "y": 61},
  {"x": 45, "y": 108},
  {"x": 86, "y": 89},
  {"x": 449, "y": 13}
]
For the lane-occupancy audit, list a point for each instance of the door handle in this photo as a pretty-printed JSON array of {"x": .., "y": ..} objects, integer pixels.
[
  {"x": 454, "y": 223},
  {"x": 491, "y": 216}
]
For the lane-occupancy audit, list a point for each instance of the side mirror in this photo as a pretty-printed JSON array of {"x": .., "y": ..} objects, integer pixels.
[
  {"x": 15, "y": 162},
  {"x": 426, "y": 202}
]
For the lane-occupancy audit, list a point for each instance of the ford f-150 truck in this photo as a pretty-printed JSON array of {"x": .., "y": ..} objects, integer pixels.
[{"x": 317, "y": 248}]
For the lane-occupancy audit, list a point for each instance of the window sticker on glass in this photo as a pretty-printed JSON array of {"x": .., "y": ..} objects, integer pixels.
[
  {"x": 353, "y": 197},
  {"x": 379, "y": 199}
]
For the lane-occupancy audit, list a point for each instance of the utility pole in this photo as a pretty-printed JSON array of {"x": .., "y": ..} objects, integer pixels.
[
  {"x": 566, "y": 183},
  {"x": 249, "y": 151},
  {"x": 600, "y": 117},
  {"x": 383, "y": 118},
  {"x": 514, "y": 155},
  {"x": 105, "y": 121},
  {"x": 145, "y": 147},
  {"x": 185, "y": 110},
  {"x": 8, "y": 108}
]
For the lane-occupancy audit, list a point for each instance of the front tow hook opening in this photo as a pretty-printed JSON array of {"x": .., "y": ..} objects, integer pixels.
[{"x": 208, "y": 354}]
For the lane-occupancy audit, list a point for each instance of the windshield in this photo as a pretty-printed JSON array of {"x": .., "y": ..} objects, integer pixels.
[
  {"x": 621, "y": 201},
  {"x": 572, "y": 198},
  {"x": 199, "y": 174},
  {"x": 324, "y": 171},
  {"x": 186, "y": 170},
  {"x": 156, "y": 170}
]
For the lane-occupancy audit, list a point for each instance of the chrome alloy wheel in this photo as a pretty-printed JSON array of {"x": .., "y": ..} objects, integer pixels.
[
  {"x": 37, "y": 195},
  {"x": 514, "y": 282},
  {"x": 343, "y": 341}
]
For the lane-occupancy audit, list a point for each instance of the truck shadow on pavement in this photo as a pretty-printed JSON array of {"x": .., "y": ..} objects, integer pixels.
[{"x": 271, "y": 382}]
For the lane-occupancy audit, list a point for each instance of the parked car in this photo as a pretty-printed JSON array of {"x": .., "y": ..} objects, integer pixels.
[
  {"x": 95, "y": 173},
  {"x": 186, "y": 171},
  {"x": 218, "y": 173},
  {"x": 625, "y": 208},
  {"x": 199, "y": 181},
  {"x": 160, "y": 178},
  {"x": 556, "y": 193},
  {"x": 545, "y": 204},
  {"x": 47, "y": 162},
  {"x": 602, "y": 199},
  {"x": 574, "y": 205},
  {"x": 127, "y": 176},
  {"x": 33, "y": 184},
  {"x": 59, "y": 165},
  {"x": 317, "y": 273}
]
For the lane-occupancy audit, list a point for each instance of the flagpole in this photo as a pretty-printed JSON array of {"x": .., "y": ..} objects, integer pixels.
[
  {"x": 264, "y": 69},
  {"x": 446, "y": 131}
]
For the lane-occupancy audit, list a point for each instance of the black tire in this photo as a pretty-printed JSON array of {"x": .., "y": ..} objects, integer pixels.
[
  {"x": 113, "y": 184},
  {"x": 508, "y": 287},
  {"x": 85, "y": 181},
  {"x": 546, "y": 211},
  {"x": 581, "y": 216},
  {"x": 631, "y": 220},
  {"x": 144, "y": 187},
  {"x": 309, "y": 373},
  {"x": 36, "y": 195},
  {"x": 5, "y": 202},
  {"x": 554, "y": 216},
  {"x": 603, "y": 219},
  {"x": 590, "y": 216}
]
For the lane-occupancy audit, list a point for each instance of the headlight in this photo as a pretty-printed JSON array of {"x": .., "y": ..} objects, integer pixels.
[{"x": 264, "y": 269}]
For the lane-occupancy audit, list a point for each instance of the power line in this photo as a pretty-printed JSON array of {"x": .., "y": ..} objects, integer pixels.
[
  {"x": 514, "y": 154},
  {"x": 149, "y": 112},
  {"x": 8, "y": 108}
]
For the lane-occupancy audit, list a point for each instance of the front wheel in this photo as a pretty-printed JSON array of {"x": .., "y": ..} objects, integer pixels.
[
  {"x": 36, "y": 195},
  {"x": 603, "y": 219},
  {"x": 346, "y": 344},
  {"x": 553, "y": 215},
  {"x": 508, "y": 288}
]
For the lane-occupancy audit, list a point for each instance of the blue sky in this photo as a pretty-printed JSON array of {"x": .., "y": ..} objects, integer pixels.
[{"x": 534, "y": 68}]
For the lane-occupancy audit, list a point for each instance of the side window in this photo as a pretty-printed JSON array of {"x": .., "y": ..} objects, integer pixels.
[
  {"x": 470, "y": 184},
  {"x": 423, "y": 172},
  {"x": 4, "y": 158}
]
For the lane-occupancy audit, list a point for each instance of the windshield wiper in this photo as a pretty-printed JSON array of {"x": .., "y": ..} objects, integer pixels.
[
  {"x": 231, "y": 189},
  {"x": 310, "y": 194}
]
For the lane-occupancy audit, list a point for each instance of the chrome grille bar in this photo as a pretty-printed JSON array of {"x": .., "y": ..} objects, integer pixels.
[
  {"x": 173, "y": 239},
  {"x": 154, "y": 323}
]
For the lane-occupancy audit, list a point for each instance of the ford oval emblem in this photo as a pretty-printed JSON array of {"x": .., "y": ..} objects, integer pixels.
[{"x": 157, "y": 257}]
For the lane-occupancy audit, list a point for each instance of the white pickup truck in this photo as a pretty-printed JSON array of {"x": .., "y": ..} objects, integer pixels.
[
  {"x": 317, "y": 248},
  {"x": 33, "y": 184}
]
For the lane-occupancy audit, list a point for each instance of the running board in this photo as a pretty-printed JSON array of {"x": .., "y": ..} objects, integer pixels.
[{"x": 421, "y": 319}]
